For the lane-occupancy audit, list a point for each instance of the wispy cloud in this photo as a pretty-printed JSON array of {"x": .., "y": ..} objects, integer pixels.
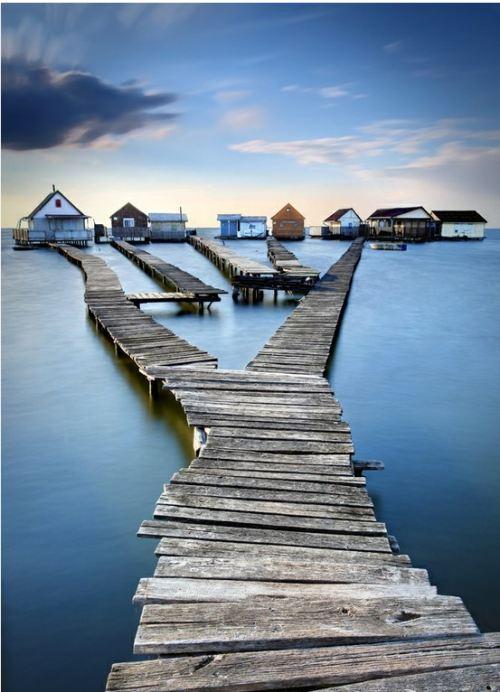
[
  {"x": 387, "y": 145},
  {"x": 332, "y": 92},
  {"x": 393, "y": 47},
  {"x": 152, "y": 18},
  {"x": 44, "y": 108},
  {"x": 326, "y": 92},
  {"x": 230, "y": 95},
  {"x": 243, "y": 118}
]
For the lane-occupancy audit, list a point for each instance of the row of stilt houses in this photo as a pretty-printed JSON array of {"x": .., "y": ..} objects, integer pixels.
[{"x": 58, "y": 220}]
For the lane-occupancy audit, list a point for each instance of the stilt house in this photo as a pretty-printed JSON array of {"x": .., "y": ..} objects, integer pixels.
[
  {"x": 54, "y": 220},
  {"x": 130, "y": 223},
  {"x": 288, "y": 224}
]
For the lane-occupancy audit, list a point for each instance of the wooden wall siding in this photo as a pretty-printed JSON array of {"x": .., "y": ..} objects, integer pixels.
[
  {"x": 128, "y": 211},
  {"x": 288, "y": 223}
]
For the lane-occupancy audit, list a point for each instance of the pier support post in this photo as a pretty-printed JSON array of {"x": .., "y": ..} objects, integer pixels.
[{"x": 153, "y": 388}]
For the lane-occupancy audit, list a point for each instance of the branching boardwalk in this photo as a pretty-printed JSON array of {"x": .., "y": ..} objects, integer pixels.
[
  {"x": 273, "y": 572},
  {"x": 285, "y": 261},
  {"x": 133, "y": 332},
  {"x": 302, "y": 344},
  {"x": 170, "y": 275}
]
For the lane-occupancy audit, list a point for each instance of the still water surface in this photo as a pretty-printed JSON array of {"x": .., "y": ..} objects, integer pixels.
[{"x": 85, "y": 453}]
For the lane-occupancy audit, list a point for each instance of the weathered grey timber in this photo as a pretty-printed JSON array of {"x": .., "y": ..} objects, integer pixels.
[
  {"x": 285, "y": 261},
  {"x": 249, "y": 276},
  {"x": 273, "y": 573},
  {"x": 134, "y": 334},
  {"x": 314, "y": 668},
  {"x": 169, "y": 275},
  {"x": 316, "y": 319}
]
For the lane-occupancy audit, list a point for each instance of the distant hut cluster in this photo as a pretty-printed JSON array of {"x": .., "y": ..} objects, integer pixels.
[
  {"x": 133, "y": 225},
  {"x": 58, "y": 220},
  {"x": 413, "y": 224}
]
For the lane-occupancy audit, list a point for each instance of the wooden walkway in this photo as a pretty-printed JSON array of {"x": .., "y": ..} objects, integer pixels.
[
  {"x": 247, "y": 275},
  {"x": 285, "y": 261},
  {"x": 273, "y": 572},
  {"x": 134, "y": 333},
  {"x": 172, "y": 297},
  {"x": 303, "y": 342},
  {"x": 169, "y": 274}
]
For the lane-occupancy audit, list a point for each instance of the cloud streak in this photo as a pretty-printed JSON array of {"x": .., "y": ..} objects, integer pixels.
[
  {"x": 389, "y": 146},
  {"x": 44, "y": 108}
]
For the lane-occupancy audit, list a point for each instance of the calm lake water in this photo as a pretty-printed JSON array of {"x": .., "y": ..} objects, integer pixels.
[{"x": 85, "y": 453}]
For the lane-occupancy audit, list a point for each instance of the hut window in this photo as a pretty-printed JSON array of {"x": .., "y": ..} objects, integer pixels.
[{"x": 58, "y": 203}]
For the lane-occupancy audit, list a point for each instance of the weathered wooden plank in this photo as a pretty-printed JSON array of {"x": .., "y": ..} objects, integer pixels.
[
  {"x": 222, "y": 548},
  {"x": 264, "y": 568},
  {"x": 467, "y": 679},
  {"x": 303, "y": 668},
  {"x": 304, "y": 491},
  {"x": 264, "y": 623},
  {"x": 223, "y": 511},
  {"x": 264, "y": 536},
  {"x": 173, "y": 590},
  {"x": 321, "y": 474}
]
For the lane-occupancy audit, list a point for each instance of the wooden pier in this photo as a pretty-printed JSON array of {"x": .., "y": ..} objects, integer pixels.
[
  {"x": 303, "y": 342},
  {"x": 170, "y": 275},
  {"x": 273, "y": 572},
  {"x": 285, "y": 261},
  {"x": 248, "y": 276},
  {"x": 134, "y": 333}
]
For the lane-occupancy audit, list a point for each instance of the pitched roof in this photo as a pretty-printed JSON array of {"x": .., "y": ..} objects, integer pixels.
[
  {"x": 283, "y": 212},
  {"x": 130, "y": 206},
  {"x": 167, "y": 216},
  {"x": 394, "y": 211},
  {"x": 337, "y": 215},
  {"x": 467, "y": 216},
  {"x": 47, "y": 199}
]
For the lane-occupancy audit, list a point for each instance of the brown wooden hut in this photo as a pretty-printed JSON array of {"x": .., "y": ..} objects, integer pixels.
[
  {"x": 131, "y": 224},
  {"x": 288, "y": 224}
]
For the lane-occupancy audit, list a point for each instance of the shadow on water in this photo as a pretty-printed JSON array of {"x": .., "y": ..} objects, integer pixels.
[
  {"x": 163, "y": 407},
  {"x": 86, "y": 452}
]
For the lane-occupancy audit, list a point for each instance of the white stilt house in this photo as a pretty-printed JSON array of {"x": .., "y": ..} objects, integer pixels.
[
  {"x": 460, "y": 225},
  {"x": 54, "y": 220}
]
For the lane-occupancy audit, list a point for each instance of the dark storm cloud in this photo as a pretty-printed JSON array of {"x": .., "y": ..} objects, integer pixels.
[{"x": 43, "y": 108}]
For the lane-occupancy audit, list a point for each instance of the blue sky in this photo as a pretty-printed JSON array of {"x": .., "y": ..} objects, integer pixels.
[{"x": 241, "y": 108}]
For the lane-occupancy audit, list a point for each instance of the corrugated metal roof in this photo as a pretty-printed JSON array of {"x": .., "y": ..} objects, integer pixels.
[{"x": 174, "y": 216}]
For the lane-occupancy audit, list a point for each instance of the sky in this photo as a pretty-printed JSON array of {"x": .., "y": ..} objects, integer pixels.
[{"x": 241, "y": 108}]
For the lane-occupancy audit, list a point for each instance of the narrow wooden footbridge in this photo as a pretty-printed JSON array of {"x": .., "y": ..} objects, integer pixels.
[
  {"x": 247, "y": 275},
  {"x": 188, "y": 287},
  {"x": 273, "y": 572},
  {"x": 133, "y": 332},
  {"x": 285, "y": 261}
]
